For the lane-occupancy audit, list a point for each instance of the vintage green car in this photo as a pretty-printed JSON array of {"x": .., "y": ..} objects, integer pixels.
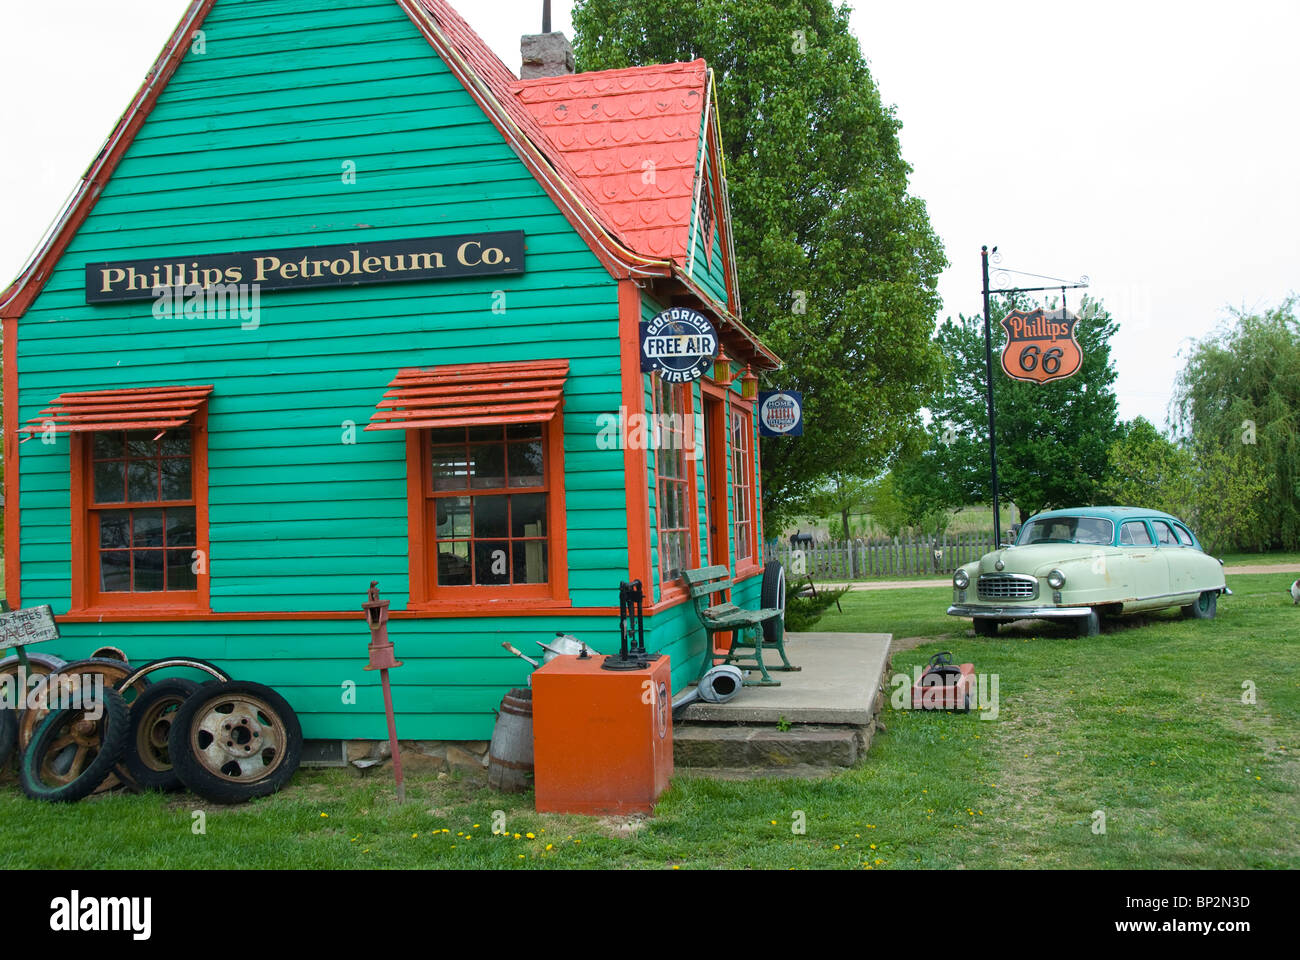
[{"x": 1082, "y": 564}]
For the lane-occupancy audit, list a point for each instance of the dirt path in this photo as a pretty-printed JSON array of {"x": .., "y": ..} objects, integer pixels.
[{"x": 911, "y": 584}]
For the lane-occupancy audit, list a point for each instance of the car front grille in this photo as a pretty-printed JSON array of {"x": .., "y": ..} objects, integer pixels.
[{"x": 1007, "y": 586}]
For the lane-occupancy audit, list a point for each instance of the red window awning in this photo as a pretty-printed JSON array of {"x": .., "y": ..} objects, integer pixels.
[
  {"x": 137, "y": 408},
  {"x": 472, "y": 395}
]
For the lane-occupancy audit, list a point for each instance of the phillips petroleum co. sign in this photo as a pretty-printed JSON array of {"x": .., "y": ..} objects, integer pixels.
[{"x": 340, "y": 265}]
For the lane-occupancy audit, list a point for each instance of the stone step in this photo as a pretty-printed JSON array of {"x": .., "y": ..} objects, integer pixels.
[{"x": 767, "y": 749}]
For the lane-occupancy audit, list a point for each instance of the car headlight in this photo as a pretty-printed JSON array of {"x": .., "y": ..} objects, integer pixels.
[
  {"x": 960, "y": 580},
  {"x": 1056, "y": 579}
]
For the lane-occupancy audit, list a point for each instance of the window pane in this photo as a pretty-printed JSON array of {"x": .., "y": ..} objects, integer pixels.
[
  {"x": 524, "y": 431},
  {"x": 526, "y": 464},
  {"x": 148, "y": 574},
  {"x": 530, "y": 562},
  {"x": 115, "y": 571},
  {"x": 110, "y": 482},
  {"x": 176, "y": 443},
  {"x": 486, "y": 434},
  {"x": 528, "y": 516},
  {"x": 182, "y": 530},
  {"x": 180, "y": 572},
  {"x": 453, "y": 518},
  {"x": 114, "y": 529},
  {"x": 487, "y": 466},
  {"x": 450, "y": 471},
  {"x": 448, "y": 435},
  {"x": 492, "y": 562},
  {"x": 490, "y": 517},
  {"x": 109, "y": 445},
  {"x": 176, "y": 480},
  {"x": 142, "y": 481},
  {"x": 148, "y": 528},
  {"x": 141, "y": 445},
  {"x": 453, "y": 564}
]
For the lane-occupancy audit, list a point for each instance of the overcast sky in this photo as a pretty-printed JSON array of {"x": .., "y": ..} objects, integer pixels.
[{"x": 1151, "y": 145}]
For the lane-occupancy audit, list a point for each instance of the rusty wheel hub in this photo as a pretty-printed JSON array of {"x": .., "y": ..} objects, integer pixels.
[{"x": 240, "y": 739}]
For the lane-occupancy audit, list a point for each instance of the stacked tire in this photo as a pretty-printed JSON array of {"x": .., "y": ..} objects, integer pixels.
[{"x": 231, "y": 742}]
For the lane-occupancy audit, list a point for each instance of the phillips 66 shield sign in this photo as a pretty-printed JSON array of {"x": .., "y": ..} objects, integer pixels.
[{"x": 1040, "y": 347}]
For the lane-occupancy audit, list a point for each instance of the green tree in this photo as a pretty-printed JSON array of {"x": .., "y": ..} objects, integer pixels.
[
  {"x": 1052, "y": 438},
  {"x": 1147, "y": 469},
  {"x": 1240, "y": 391},
  {"x": 838, "y": 263}
]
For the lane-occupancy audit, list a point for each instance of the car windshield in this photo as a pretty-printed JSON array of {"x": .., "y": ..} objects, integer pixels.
[{"x": 1067, "y": 530}]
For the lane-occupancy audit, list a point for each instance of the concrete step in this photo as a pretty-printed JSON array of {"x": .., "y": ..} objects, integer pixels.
[
  {"x": 800, "y": 771},
  {"x": 766, "y": 749}
]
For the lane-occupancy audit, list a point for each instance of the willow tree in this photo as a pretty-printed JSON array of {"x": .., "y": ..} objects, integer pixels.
[
  {"x": 838, "y": 263},
  {"x": 1240, "y": 393}
]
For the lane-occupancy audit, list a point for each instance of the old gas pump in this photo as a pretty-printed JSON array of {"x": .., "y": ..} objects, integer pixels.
[{"x": 382, "y": 658}]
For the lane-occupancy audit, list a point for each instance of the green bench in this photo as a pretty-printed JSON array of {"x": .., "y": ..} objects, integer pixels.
[{"x": 729, "y": 618}]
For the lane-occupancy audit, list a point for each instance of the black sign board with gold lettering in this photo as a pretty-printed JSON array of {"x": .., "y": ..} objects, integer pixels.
[{"x": 340, "y": 265}]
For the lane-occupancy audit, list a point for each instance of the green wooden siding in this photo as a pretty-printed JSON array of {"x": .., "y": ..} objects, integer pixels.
[{"x": 246, "y": 150}]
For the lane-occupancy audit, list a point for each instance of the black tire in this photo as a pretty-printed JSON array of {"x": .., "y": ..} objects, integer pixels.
[
  {"x": 8, "y": 734},
  {"x": 985, "y": 627},
  {"x": 42, "y": 771},
  {"x": 148, "y": 758},
  {"x": 209, "y": 768},
  {"x": 1205, "y": 607},
  {"x": 772, "y": 597},
  {"x": 1089, "y": 626}
]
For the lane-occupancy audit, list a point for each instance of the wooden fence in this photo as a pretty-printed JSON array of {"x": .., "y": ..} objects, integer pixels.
[{"x": 861, "y": 559}]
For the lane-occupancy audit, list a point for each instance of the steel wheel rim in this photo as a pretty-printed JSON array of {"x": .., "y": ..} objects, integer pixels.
[
  {"x": 152, "y": 733},
  {"x": 239, "y": 738},
  {"x": 74, "y": 747},
  {"x": 31, "y": 719}
]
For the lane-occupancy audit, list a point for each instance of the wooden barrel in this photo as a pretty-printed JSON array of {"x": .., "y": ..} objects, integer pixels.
[{"x": 510, "y": 757}]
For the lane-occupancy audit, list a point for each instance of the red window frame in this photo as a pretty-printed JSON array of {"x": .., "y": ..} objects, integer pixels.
[
  {"x": 426, "y": 593},
  {"x": 675, "y": 469},
  {"x": 744, "y": 506},
  {"x": 87, "y": 594}
]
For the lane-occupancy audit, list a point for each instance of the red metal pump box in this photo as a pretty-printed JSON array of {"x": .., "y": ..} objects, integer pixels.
[{"x": 602, "y": 739}]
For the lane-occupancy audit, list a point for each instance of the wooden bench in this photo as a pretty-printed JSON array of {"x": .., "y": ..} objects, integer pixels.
[{"x": 730, "y": 618}]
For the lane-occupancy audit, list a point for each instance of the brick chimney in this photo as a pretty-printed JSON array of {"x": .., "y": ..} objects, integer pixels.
[{"x": 546, "y": 54}]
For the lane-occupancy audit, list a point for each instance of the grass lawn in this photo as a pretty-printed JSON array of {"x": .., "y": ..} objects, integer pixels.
[{"x": 1144, "y": 723}]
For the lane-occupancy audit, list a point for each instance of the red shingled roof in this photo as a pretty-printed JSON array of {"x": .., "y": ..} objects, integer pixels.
[
  {"x": 617, "y": 127},
  {"x": 599, "y": 130}
]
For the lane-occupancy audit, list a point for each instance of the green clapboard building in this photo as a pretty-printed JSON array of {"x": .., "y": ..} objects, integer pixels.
[{"x": 342, "y": 300}]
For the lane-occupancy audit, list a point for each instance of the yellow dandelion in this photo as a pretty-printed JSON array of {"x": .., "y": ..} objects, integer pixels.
[
  {"x": 836, "y": 847},
  {"x": 531, "y": 836},
  {"x": 326, "y": 815},
  {"x": 873, "y": 846},
  {"x": 550, "y": 846},
  {"x": 521, "y": 856},
  {"x": 476, "y": 826}
]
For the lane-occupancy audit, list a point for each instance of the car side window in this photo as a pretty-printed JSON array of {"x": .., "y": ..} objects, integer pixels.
[
  {"x": 1184, "y": 535},
  {"x": 1164, "y": 534},
  {"x": 1134, "y": 534}
]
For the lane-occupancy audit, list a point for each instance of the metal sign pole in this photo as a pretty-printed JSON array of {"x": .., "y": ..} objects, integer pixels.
[{"x": 988, "y": 369}]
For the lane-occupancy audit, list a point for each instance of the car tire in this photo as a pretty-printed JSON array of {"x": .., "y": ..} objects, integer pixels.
[
  {"x": 985, "y": 628},
  {"x": 8, "y": 734},
  {"x": 147, "y": 759},
  {"x": 1089, "y": 626},
  {"x": 772, "y": 597},
  {"x": 37, "y": 771},
  {"x": 1205, "y": 607},
  {"x": 208, "y": 769}
]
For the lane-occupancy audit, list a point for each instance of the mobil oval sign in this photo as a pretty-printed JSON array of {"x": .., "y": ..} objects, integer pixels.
[
  {"x": 680, "y": 345},
  {"x": 780, "y": 413}
]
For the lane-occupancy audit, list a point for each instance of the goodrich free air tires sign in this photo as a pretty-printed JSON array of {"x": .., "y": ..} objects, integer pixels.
[{"x": 679, "y": 344}]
